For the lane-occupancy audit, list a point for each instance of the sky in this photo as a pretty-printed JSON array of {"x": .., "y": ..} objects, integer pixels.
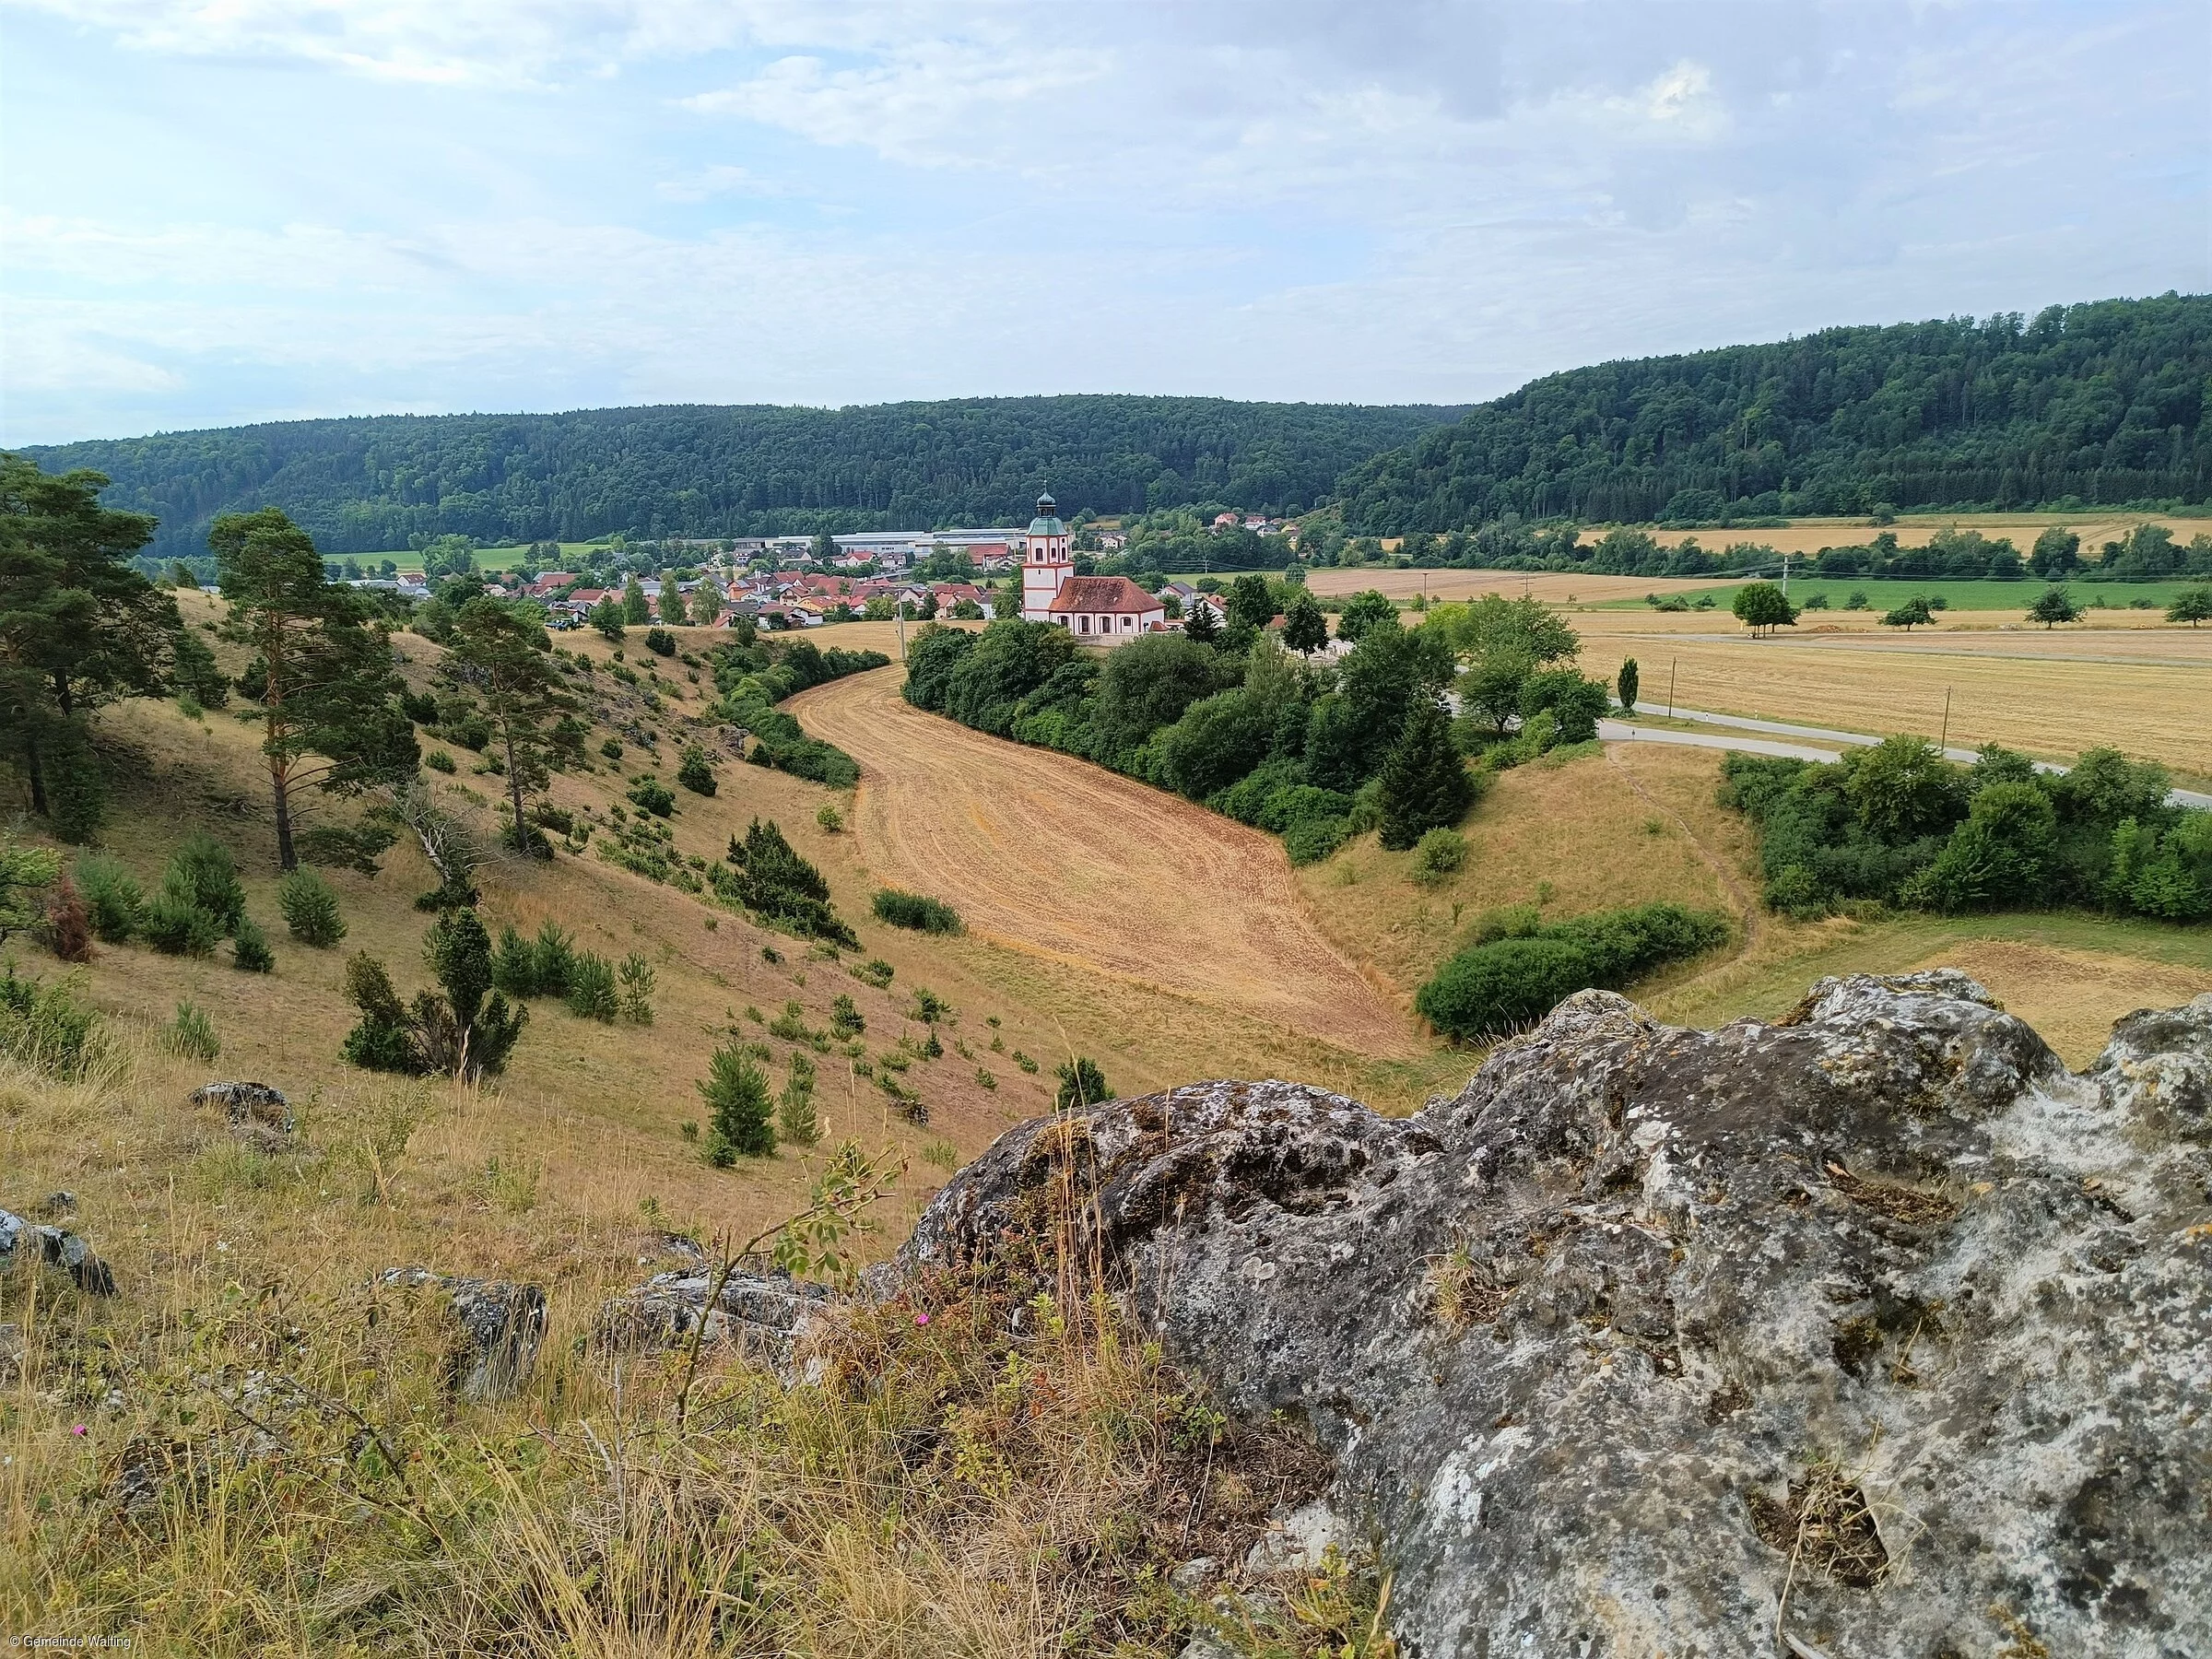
[{"x": 221, "y": 211}]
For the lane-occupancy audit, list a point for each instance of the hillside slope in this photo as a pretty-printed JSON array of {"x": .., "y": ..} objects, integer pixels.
[
  {"x": 2103, "y": 401},
  {"x": 368, "y": 484}
]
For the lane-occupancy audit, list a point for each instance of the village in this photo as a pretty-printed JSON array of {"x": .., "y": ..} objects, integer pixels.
[{"x": 792, "y": 582}]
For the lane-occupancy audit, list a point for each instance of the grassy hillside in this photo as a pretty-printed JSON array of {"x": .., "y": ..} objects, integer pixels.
[
  {"x": 2099, "y": 403},
  {"x": 363, "y": 485}
]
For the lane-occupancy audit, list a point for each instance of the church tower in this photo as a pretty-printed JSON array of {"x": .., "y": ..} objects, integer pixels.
[{"x": 1046, "y": 564}]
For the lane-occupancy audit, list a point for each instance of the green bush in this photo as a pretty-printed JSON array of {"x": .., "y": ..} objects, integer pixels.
[
  {"x": 175, "y": 926},
  {"x": 912, "y": 910},
  {"x": 438, "y": 760},
  {"x": 694, "y": 772},
  {"x": 113, "y": 900},
  {"x": 1508, "y": 983},
  {"x": 1081, "y": 1084},
  {"x": 1312, "y": 840},
  {"x": 191, "y": 1036},
  {"x": 660, "y": 642},
  {"x": 1439, "y": 853},
  {"x": 311, "y": 909},
  {"x": 48, "y": 1028},
  {"x": 203, "y": 874},
  {"x": 590, "y": 989},
  {"x": 650, "y": 794},
  {"x": 249, "y": 948}
]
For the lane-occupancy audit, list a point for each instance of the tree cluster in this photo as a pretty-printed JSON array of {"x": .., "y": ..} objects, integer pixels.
[{"x": 1898, "y": 824}]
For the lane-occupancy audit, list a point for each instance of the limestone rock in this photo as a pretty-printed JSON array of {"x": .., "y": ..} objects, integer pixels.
[
  {"x": 1872, "y": 1331},
  {"x": 54, "y": 1247},
  {"x": 249, "y": 1106},
  {"x": 499, "y": 1326},
  {"x": 762, "y": 1315}
]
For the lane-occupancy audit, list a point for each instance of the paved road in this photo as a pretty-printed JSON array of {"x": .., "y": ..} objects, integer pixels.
[{"x": 1621, "y": 731}]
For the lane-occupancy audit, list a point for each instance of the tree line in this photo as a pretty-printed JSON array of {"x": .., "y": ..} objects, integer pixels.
[
  {"x": 370, "y": 484},
  {"x": 2099, "y": 404},
  {"x": 1897, "y": 824},
  {"x": 1255, "y": 722}
]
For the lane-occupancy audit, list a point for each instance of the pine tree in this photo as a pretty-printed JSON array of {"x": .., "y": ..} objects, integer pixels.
[
  {"x": 739, "y": 1113},
  {"x": 322, "y": 673},
  {"x": 1203, "y": 623},
  {"x": 1424, "y": 782},
  {"x": 501, "y": 651}
]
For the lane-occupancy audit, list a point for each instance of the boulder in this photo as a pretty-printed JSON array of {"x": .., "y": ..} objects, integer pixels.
[
  {"x": 762, "y": 1315},
  {"x": 498, "y": 1327},
  {"x": 1870, "y": 1331},
  {"x": 249, "y": 1106},
  {"x": 54, "y": 1247}
]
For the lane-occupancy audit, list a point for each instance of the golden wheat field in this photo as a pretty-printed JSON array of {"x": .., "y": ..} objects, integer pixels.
[
  {"x": 1553, "y": 589},
  {"x": 2052, "y": 709},
  {"x": 1075, "y": 864}
]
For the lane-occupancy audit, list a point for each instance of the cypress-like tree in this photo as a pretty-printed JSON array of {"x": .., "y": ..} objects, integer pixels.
[
  {"x": 322, "y": 673},
  {"x": 1425, "y": 781},
  {"x": 1627, "y": 686},
  {"x": 635, "y": 610}
]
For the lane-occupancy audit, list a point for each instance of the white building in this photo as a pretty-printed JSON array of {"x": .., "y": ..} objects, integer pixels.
[{"x": 1046, "y": 564}]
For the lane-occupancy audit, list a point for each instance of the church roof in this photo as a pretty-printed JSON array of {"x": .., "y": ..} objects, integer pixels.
[
  {"x": 1114, "y": 596},
  {"x": 1047, "y": 521}
]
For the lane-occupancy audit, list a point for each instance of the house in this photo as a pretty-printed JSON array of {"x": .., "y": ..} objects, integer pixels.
[
  {"x": 1225, "y": 521},
  {"x": 1092, "y": 605}
]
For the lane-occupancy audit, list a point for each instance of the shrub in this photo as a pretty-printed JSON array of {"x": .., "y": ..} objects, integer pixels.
[
  {"x": 311, "y": 909},
  {"x": 637, "y": 989},
  {"x": 660, "y": 642},
  {"x": 875, "y": 972},
  {"x": 739, "y": 1115},
  {"x": 47, "y": 1027},
  {"x": 845, "y": 1019},
  {"x": 175, "y": 926},
  {"x": 191, "y": 1036},
  {"x": 113, "y": 900},
  {"x": 830, "y": 820},
  {"x": 381, "y": 1040},
  {"x": 203, "y": 874},
  {"x": 553, "y": 960},
  {"x": 912, "y": 910},
  {"x": 1507, "y": 983},
  {"x": 774, "y": 882},
  {"x": 1081, "y": 1084},
  {"x": 1313, "y": 839},
  {"x": 249, "y": 948},
  {"x": 650, "y": 794},
  {"x": 438, "y": 760},
  {"x": 590, "y": 989},
  {"x": 796, "y": 1122},
  {"x": 1439, "y": 853},
  {"x": 694, "y": 772},
  {"x": 68, "y": 926}
]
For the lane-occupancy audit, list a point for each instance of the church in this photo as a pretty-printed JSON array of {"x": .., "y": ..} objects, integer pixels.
[{"x": 1087, "y": 606}]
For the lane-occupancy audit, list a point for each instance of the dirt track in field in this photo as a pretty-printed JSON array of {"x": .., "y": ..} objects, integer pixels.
[{"x": 1056, "y": 856}]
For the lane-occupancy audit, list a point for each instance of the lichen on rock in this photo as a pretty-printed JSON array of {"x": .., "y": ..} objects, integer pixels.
[{"x": 1871, "y": 1330}]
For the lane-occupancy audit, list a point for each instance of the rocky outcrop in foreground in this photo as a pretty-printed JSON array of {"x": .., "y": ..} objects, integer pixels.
[{"x": 1871, "y": 1332}]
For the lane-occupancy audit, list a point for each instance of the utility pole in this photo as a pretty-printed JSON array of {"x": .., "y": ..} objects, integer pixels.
[
  {"x": 902, "y": 630},
  {"x": 1785, "y": 575},
  {"x": 1943, "y": 742},
  {"x": 1670, "y": 686}
]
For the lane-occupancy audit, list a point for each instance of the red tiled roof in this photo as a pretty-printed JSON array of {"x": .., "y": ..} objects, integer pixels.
[{"x": 1109, "y": 595}]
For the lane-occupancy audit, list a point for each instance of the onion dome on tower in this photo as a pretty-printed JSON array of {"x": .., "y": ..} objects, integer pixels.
[{"x": 1047, "y": 521}]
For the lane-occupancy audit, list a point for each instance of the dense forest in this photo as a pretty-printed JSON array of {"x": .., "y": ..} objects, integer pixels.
[
  {"x": 367, "y": 485},
  {"x": 2099, "y": 404}
]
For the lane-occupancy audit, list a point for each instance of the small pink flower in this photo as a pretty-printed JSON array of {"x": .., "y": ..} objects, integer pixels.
[
  {"x": 80, "y": 1429},
  {"x": 920, "y": 1319}
]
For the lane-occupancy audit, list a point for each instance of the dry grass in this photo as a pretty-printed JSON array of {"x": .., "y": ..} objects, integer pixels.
[
  {"x": 1588, "y": 835},
  {"x": 2052, "y": 709},
  {"x": 1913, "y": 530},
  {"x": 2072, "y": 997},
  {"x": 1068, "y": 862}
]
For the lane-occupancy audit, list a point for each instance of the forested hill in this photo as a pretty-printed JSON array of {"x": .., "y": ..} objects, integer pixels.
[
  {"x": 2105, "y": 403},
  {"x": 368, "y": 484}
]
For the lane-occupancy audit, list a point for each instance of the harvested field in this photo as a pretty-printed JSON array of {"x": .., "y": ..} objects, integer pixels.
[
  {"x": 1469, "y": 584},
  {"x": 1914, "y": 530},
  {"x": 2071, "y": 996},
  {"x": 2052, "y": 709},
  {"x": 1057, "y": 858}
]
